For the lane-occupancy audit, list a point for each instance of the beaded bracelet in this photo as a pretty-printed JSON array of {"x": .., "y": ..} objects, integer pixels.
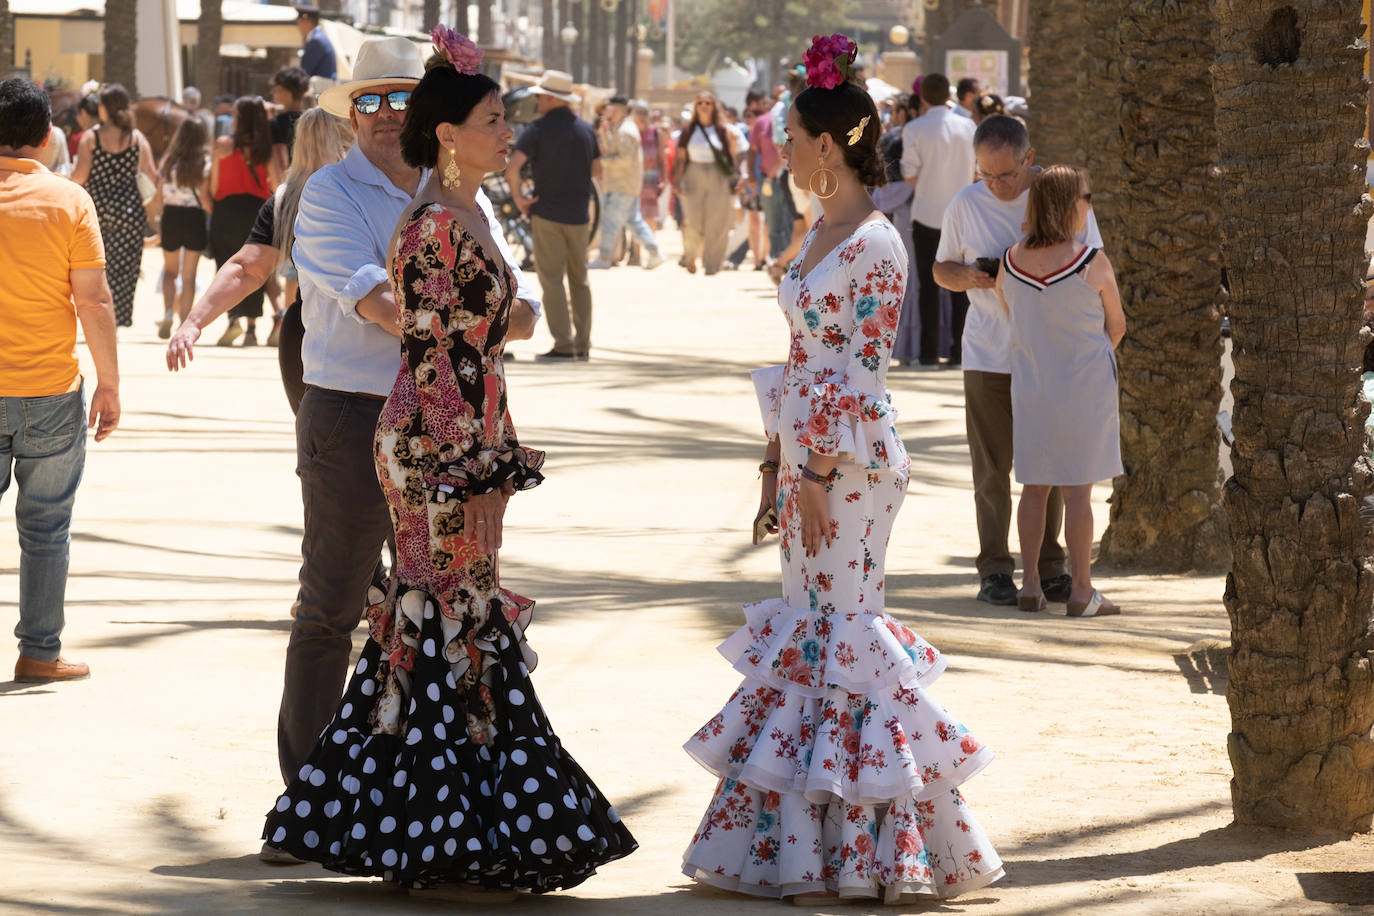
[
  {"x": 769, "y": 467},
  {"x": 808, "y": 474}
]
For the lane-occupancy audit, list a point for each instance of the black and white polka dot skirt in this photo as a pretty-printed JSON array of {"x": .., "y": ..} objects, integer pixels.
[{"x": 428, "y": 804}]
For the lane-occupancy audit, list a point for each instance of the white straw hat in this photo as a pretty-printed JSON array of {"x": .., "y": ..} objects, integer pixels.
[
  {"x": 380, "y": 62},
  {"x": 557, "y": 84}
]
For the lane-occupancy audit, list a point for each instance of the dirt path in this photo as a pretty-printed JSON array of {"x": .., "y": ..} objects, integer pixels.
[{"x": 143, "y": 790}]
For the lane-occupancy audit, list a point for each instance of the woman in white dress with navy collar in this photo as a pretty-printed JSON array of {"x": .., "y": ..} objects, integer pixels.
[
  {"x": 838, "y": 772},
  {"x": 1066, "y": 321}
]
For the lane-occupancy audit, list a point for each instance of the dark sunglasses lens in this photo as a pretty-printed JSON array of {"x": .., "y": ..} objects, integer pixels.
[
  {"x": 368, "y": 104},
  {"x": 398, "y": 100}
]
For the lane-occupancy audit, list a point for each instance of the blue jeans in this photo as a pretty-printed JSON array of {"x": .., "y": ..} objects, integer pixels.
[
  {"x": 777, "y": 216},
  {"x": 618, "y": 210},
  {"x": 45, "y": 441}
]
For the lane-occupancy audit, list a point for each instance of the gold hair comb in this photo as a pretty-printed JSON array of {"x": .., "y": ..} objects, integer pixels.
[{"x": 858, "y": 132}]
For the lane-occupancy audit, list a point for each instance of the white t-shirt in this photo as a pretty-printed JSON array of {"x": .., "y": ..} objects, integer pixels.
[
  {"x": 978, "y": 225},
  {"x": 937, "y": 150},
  {"x": 699, "y": 147}
]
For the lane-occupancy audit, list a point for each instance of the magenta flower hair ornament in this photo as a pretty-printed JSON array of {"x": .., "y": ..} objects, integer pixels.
[
  {"x": 457, "y": 49},
  {"x": 829, "y": 61}
]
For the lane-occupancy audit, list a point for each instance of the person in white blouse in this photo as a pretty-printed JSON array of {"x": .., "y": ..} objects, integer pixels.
[{"x": 704, "y": 175}]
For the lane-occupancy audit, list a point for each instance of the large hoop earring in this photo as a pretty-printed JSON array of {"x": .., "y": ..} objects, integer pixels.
[
  {"x": 830, "y": 182},
  {"x": 452, "y": 175}
]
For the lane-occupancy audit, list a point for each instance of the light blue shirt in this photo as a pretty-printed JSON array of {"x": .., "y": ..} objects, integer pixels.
[{"x": 348, "y": 213}]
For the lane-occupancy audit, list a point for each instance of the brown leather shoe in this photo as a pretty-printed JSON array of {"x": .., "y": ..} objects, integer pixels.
[{"x": 31, "y": 669}]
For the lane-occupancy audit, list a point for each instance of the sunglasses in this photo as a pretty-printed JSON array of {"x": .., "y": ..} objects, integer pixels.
[{"x": 371, "y": 102}]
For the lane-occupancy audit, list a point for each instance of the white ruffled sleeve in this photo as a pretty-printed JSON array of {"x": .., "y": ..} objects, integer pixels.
[{"x": 768, "y": 387}]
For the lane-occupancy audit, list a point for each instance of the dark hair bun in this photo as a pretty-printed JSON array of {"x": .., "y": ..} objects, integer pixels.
[{"x": 839, "y": 112}]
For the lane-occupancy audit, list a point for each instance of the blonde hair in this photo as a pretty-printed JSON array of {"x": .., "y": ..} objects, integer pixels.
[
  {"x": 1052, "y": 207},
  {"x": 321, "y": 139}
]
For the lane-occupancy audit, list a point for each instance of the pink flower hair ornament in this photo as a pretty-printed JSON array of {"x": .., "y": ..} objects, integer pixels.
[
  {"x": 829, "y": 61},
  {"x": 457, "y": 50}
]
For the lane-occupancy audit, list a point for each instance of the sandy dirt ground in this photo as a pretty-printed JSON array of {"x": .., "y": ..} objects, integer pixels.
[{"x": 143, "y": 789}]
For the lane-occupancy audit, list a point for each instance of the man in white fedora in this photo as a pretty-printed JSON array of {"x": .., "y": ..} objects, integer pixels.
[
  {"x": 348, "y": 213},
  {"x": 562, "y": 151}
]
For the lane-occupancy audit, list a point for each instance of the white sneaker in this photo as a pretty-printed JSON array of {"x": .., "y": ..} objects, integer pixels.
[
  {"x": 599, "y": 264},
  {"x": 655, "y": 259}
]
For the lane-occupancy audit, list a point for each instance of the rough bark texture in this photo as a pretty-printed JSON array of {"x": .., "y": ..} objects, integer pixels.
[
  {"x": 1166, "y": 510},
  {"x": 1099, "y": 126},
  {"x": 1055, "y": 45},
  {"x": 121, "y": 44},
  {"x": 6, "y": 40},
  {"x": 1291, "y": 103},
  {"x": 208, "y": 34}
]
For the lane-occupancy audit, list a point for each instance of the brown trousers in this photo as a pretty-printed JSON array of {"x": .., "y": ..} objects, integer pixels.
[
  {"x": 559, "y": 249},
  {"x": 987, "y": 417}
]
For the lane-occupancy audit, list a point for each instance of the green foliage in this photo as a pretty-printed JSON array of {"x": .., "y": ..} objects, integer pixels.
[{"x": 772, "y": 30}]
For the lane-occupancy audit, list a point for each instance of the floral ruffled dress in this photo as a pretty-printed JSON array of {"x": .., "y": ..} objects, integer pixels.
[
  {"x": 838, "y": 771},
  {"x": 440, "y": 765}
]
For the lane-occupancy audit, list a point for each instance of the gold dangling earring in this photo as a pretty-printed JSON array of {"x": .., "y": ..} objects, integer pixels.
[
  {"x": 830, "y": 182},
  {"x": 452, "y": 175}
]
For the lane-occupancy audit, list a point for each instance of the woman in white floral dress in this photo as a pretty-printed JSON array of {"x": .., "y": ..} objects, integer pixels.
[{"x": 838, "y": 772}]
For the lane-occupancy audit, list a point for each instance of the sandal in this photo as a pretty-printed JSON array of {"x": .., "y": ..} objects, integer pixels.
[
  {"x": 1096, "y": 606},
  {"x": 1031, "y": 603}
]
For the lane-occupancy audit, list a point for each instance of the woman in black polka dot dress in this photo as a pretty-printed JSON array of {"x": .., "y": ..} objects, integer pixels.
[
  {"x": 108, "y": 161},
  {"x": 440, "y": 767}
]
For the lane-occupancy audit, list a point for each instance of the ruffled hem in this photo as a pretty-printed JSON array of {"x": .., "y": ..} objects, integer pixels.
[
  {"x": 843, "y": 420},
  {"x": 518, "y": 466},
  {"x": 768, "y": 388},
  {"x": 811, "y": 653},
  {"x": 436, "y": 801},
  {"x": 778, "y": 845},
  {"x": 862, "y": 749}
]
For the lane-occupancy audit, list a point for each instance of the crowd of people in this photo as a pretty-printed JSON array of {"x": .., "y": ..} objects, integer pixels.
[{"x": 436, "y": 768}]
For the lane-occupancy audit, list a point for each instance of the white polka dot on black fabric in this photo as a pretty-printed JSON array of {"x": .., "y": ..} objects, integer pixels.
[
  {"x": 312, "y": 839},
  {"x": 415, "y": 829},
  {"x": 455, "y": 819},
  {"x": 474, "y": 844},
  {"x": 283, "y": 803},
  {"x": 376, "y": 796},
  {"x": 334, "y": 848},
  {"x": 450, "y": 846},
  {"x": 305, "y": 772},
  {"x": 428, "y": 648},
  {"x": 515, "y": 697},
  {"x": 545, "y": 810},
  {"x": 362, "y": 666},
  {"x": 522, "y": 823},
  {"x": 433, "y": 692},
  {"x": 509, "y": 799},
  {"x": 346, "y": 711},
  {"x": 302, "y": 808},
  {"x": 413, "y": 736},
  {"x": 370, "y": 765},
  {"x": 427, "y": 854},
  {"x": 389, "y": 857},
  {"x": 279, "y": 835},
  {"x": 437, "y": 823},
  {"x": 443, "y": 793},
  {"x": 359, "y": 831},
  {"x": 317, "y": 778},
  {"x": 518, "y": 757},
  {"x": 339, "y": 736},
  {"x": 368, "y": 688},
  {"x": 538, "y": 846},
  {"x": 354, "y": 751},
  {"x": 331, "y": 808},
  {"x": 399, "y": 779},
  {"x": 388, "y": 824},
  {"x": 439, "y": 732},
  {"x": 563, "y": 843},
  {"x": 437, "y": 763},
  {"x": 531, "y": 786}
]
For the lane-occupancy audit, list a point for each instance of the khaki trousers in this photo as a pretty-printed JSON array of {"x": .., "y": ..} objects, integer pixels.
[
  {"x": 707, "y": 203},
  {"x": 559, "y": 249},
  {"x": 987, "y": 417}
]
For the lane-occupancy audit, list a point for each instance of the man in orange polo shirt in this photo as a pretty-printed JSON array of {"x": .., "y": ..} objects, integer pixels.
[{"x": 52, "y": 275}]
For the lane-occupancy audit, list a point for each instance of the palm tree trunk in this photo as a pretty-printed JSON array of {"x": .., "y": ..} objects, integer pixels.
[
  {"x": 620, "y": 41},
  {"x": 429, "y": 16},
  {"x": 121, "y": 44},
  {"x": 1166, "y": 510},
  {"x": 549, "y": 43},
  {"x": 1099, "y": 128},
  {"x": 208, "y": 33},
  {"x": 484, "y": 23},
  {"x": 1055, "y": 46},
  {"x": 6, "y": 40},
  {"x": 1291, "y": 108}
]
